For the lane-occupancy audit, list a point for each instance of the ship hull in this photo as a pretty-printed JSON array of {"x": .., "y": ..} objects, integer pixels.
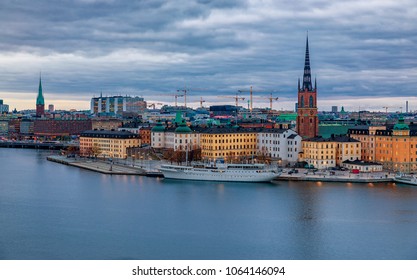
[{"x": 218, "y": 175}]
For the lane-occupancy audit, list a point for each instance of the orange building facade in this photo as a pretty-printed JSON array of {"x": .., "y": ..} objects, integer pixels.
[{"x": 395, "y": 149}]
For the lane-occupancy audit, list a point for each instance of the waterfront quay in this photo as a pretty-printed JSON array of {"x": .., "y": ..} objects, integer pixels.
[
  {"x": 340, "y": 176},
  {"x": 101, "y": 166},
  {"x": 130, "y": 168}
]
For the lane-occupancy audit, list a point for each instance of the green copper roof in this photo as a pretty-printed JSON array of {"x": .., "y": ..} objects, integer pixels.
[
  {"x": 401, "y": 125},
  {"x": 158, "y": 128},
  {"x": 178, "y": 118},
  {"x": 39, "y": 99},
  {"x": 183, "y": 128},
  {"x": 287, "y": 117}
]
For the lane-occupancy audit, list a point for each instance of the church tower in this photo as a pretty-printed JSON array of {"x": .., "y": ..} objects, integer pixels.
[
  {"x": 307, "y": 119},
  {"x": 40, "y": 102}
]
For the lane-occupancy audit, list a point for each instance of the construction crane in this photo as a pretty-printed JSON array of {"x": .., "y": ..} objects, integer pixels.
[
  {"x": 251, "y": 91},
  {"x": 270, "y": 98},
  {"x": 201, "y": 102},
  {"x": 153, "y": 105},
  {"x": 185, "y": 90},
  {"x": 386, "y": 109},
  {"x": 237, "y": 98},
  {"x": 176, "y": 97}
]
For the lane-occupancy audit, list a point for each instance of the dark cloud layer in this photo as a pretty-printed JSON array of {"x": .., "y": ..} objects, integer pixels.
[{"x": 358, "y": 48}]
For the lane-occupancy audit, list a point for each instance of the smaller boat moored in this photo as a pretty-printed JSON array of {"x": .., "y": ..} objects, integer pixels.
[{"x": 406, "y": 179}]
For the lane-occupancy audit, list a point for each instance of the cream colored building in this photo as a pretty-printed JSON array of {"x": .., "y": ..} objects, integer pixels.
[
  {"x": 107, "y": 143},
  {"x": 323, "y": 153}
]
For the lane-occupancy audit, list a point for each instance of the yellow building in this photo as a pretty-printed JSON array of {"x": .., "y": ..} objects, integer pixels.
[
  {"x": 323, "y": 153},
  {"x": 107, "y": 143},
  {"x": 230, "y": 143}
]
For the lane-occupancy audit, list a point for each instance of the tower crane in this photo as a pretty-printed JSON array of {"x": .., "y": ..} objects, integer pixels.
[
  {"x": 251, "y": 91},
  {"x": 176, "y": 96},
  {"x": 270, "y": 98},
  {"x": 153, "y": 105},
  {"x": 237, "y": 98},
  {"x": 185, "y": 90},
  {"x": 201, "y": 102},
  {"x": 386, "y": 109}
]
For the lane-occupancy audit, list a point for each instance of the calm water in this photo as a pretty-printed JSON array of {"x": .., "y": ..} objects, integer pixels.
[{"x": 52, "y": 211}]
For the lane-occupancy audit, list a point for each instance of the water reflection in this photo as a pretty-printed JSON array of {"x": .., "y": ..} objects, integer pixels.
[{"x": 55, "y": 211}]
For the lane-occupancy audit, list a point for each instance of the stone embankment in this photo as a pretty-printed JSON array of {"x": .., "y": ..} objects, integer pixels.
[
  {"x": 339, "y": 176},
  {"x": 105, "y": 167}
]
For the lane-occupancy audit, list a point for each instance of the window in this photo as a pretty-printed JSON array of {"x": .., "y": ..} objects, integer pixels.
[{"x": 310, "y": 102}]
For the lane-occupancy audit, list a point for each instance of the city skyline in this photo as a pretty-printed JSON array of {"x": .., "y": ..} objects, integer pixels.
[{"x": 361, "y": 53}]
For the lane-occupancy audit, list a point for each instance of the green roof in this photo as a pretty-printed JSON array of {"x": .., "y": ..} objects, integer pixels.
[
  {"x": 287, "y": 117},
  {"x": 401, "y": 125},
  {"x": 183, "y": 128},
  {"x": 158, "y": 128},
  {"x": 327, "y": 130}
]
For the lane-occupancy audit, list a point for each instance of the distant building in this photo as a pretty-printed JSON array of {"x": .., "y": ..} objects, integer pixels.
[
  {"x": 223, "y": 110},
  {"x": 26, "y": 127},
  {"x": 4, "y": 108},
  {"x": 116, "y": 105},
  {"x": 107, "y": 144},
  {"x": 307, "y": 119},
  {"x": 334, "y": 109},
  {"x": 4, "y": 127},
  {"x": 40, "y": 102},
  {"x": 106, "y": 124},
  {"x": 60, "y": 127},
  {"x": 51, "y": 108}
]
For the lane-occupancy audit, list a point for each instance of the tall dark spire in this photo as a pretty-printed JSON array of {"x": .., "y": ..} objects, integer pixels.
[{"x": 307, "y": 71}]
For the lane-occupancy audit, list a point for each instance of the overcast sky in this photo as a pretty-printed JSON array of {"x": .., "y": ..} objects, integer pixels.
[{"x": 362, "y": 52}]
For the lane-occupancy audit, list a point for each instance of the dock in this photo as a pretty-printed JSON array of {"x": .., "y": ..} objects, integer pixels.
[
  {"x": 380, "y": 177},
  {"x": 105, "y": 167}
]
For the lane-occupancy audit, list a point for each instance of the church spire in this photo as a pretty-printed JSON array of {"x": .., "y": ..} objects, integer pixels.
[
  {"x": 307, "y": 70},
  {"x": 40, "y": 100}
]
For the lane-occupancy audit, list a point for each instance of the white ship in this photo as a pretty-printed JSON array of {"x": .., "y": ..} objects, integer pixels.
[
  {"x": 406, "y": 179},
  {"x": 221, "y": 172}
]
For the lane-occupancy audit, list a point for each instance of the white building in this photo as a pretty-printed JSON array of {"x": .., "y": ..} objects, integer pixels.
[
  {"x": 179, "y": 138},
  {"x": 113, "y": 105},
  {"x": 281, "y": 145}
]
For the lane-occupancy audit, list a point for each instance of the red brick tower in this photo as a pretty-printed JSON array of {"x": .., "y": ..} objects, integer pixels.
[{"x": 307, "y": 119}]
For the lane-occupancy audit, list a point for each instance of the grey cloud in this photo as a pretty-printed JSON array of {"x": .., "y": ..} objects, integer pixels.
[{"x": 357, "y": 47}]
